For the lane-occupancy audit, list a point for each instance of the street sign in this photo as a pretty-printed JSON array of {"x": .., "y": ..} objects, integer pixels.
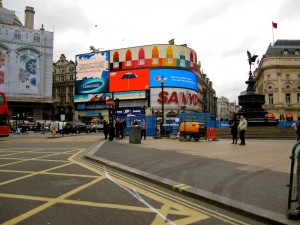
[{"x": 110, "y": 102}]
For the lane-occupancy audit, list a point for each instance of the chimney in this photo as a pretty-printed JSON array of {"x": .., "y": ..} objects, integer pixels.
[{"x": 29, "y": 17}]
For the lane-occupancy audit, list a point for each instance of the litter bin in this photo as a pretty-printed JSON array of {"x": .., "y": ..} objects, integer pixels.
[{"x": 135, "y": 134}]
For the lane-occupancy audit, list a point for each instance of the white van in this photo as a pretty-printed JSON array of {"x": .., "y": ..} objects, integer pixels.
[{"x": 58, "y": 126}]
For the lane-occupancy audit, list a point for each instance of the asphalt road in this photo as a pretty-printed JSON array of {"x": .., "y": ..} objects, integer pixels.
[{"x": 46, "y": 180}]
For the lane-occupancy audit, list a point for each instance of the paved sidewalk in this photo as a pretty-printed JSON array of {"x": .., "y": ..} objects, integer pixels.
[{"x": 250, "y": 178}]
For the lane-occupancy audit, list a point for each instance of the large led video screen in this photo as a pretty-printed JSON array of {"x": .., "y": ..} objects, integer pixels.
[
  {"x": 92, "y": 70},
  {"x": 173, "y": 78},
  {"x": 91, "y": 86},
  {"x": 153, "y": 56},
  {"x": 129, "y": 80}
]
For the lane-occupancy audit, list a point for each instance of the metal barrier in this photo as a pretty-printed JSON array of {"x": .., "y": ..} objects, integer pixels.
[
  {"x": 293, "y": 212},
  {"x": 171, "y": 123}
]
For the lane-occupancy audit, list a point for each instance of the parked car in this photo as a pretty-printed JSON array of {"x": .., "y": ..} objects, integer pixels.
[
  {"x": 75, "y": 127},
  {"x": 97, "y": 128},
  {"x": 58, "y": 126}
]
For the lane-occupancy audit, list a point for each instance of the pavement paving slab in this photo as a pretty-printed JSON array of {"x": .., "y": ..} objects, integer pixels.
[{"x": 250, "y": 178}]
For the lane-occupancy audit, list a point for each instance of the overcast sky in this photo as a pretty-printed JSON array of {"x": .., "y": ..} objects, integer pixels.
[{"x": 220, "y": 31}]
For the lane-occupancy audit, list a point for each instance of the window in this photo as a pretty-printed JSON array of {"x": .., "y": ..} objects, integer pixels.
[
  {"x": 71, "y": 77},
  {"x": 37, "y": 38},
  {"x": 288, "y": 98},
  {"x": 4, "y": 120},
  {"x": 270, "y": 99},
  {"x": 71, "y": 88},
  {"x": 1, "y": 100},
  {"x": 61, "y": 78},
  {"x": 270, "y": 87},
  {"x": 298, "y": 98},
  {"x": 287, "y": 76},
  {"x": 17, "y": 35},
  {"x": 63, "y": 99},
  {"x": 287, "y": 87}
]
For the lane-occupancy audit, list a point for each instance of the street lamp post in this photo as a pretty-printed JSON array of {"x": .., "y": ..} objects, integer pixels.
[{"x": 162, "y": 81}]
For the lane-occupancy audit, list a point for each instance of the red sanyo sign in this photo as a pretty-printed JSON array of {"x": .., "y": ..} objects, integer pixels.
[{"x": 178, "y": 98}]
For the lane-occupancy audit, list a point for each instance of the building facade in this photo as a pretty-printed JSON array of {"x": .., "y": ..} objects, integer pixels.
[
  {"x": 278, "y": 78},
  {"x": 226, "y": 109},
  {"x": 208, "y": 95},
  {"x": 26, "y": 57},
  {"x": 134, "y": 76},
  {"x": 63, "y": 90}
]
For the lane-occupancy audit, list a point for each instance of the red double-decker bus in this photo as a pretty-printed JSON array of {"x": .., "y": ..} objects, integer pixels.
[{"x": 4, "y": 116}]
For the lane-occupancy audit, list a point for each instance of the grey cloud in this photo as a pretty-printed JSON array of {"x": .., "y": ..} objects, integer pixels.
[
  {"x": 211, "y": 11},
  {"x": 62, "y": 16},
  {"x": 240, "y": 48},
  {"x": 289, "y": 10}
]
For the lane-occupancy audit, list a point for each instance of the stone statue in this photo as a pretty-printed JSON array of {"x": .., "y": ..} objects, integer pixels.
[{"x": 251, "y": 59}]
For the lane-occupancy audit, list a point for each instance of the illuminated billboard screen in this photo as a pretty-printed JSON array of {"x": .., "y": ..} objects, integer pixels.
[
  {"x": 129, "y": 80},
  {"x": 92, "y": 65},
  {"x": 91, "y": 86},
  {"x": 92, "y": 70},
  {"x": 89, "y": 98},
  {"x": 153, "y": 56},
  {"x": 174, "y": 78}
]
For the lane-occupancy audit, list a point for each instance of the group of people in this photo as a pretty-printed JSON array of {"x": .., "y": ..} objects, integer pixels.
[
  {"x": 241, "y": 128},
  {"x": 238, "y": 127},
  {"x": 118, "y": 129},
  {"x": 114, "y": 130}
]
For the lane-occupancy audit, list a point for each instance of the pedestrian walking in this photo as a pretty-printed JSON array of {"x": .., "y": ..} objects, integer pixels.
[
  {"x": 144, "y": 129},
  {"x": 242, "y": 127},
  {"x": 105, "y": 128},
  {"x": 234, "y": 131},
  {"x": 123, "y": 126}
]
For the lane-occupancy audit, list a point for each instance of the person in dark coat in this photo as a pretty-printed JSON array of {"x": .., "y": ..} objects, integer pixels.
[
  {"x": 234, "y": 131},
  {"x": 106, "y": 128}
]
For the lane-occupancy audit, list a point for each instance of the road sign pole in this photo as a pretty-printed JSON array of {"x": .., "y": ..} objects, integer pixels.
[{"x": 112, "y": 128}]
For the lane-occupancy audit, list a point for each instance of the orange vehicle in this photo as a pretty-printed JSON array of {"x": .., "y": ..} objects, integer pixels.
[{"x": 189, "y": 130}]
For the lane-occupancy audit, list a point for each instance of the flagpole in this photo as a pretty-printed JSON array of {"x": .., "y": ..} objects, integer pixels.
[{"x": 273, "y": 32}]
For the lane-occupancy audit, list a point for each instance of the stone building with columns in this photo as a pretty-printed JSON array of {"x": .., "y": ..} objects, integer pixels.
[
  {"x": 26, "y": 58},
  {"x": 278, "y": 78}
]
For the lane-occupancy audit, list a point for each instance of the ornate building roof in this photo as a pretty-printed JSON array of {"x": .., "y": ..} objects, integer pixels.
[
  {"x": 8, "y": 17},
  {"x": 284, "y": 48}
]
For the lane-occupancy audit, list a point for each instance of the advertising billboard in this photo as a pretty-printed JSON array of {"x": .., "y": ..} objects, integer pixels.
[
  {"x": 129, "y": 80},
  {"x": 153, "y": 56},
  {"x": 128, "y": 95},
  {"x": 174, "y": 99},
  {"x": 91, "y": 86},
  {"x": 23, "y": 76},
  {"x": 92, "y": 65},
  {"x": 92, "y": 71},
  {"x": 174, "y": 78},
  {"x": 89, "y": 98}
]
